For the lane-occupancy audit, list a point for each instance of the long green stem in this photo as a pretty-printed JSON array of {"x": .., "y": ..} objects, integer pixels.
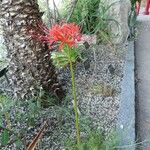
[{"x": 75, "y": 105}]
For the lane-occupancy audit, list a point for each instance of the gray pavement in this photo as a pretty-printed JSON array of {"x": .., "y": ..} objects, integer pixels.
[{"x": 142, "y": 53}]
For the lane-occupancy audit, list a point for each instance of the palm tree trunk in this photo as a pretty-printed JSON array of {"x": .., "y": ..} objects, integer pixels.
[{"x": 30, "y": 67}]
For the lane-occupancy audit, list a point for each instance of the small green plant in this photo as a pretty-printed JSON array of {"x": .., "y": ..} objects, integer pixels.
[
  {"x": 93, "y": 17},
  {"x": 94, "y": 140},
  {"x": 23, "y": 113},
  {"x": 102, "y": 88},
  {"x": 5, "y": 137},
  {"x": 103, "y": 23},
  {"x": 27, "y": 114},
  {"x": 132, "y": 18},
  {"x": 5, "y": 106}
]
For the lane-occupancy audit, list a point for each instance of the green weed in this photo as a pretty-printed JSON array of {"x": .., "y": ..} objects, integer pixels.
[
  {"x": 93, "y": 17},
  {"x": 94, "y": 140}
]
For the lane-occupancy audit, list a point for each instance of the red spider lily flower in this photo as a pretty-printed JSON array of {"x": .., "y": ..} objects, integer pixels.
[
  {"x": 65, "y": 33},
  {"x": 61, "y": 34}
]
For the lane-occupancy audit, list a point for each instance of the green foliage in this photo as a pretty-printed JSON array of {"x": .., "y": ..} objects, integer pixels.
[
  {"x": 103, "y": 23},
  {"x": 85, "y": 14},
  {"x": 133, "y": 3},
  {"x": 5, "y": 103},
  {"x": 24, "y": 112},
  {"x": 94, "y": 141},
  {"x": 62, "y": 58},
  {"x": 93, "y": 17},
  {"x": 4, "y": 137},
  {"x": 132, "y": 18},
  {"x": 27, "y": 115}
]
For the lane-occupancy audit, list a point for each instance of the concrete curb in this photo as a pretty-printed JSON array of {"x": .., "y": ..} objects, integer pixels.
[{"x": 126, "y": 118}]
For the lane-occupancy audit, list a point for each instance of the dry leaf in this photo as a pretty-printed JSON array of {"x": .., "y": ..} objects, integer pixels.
[{"x": 37, "y": 138}]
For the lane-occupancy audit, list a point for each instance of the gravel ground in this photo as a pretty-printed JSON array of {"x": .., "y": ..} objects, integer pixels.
[
  {"x": 98, "y": 85},
  {"x": 98, "y": 82}
]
